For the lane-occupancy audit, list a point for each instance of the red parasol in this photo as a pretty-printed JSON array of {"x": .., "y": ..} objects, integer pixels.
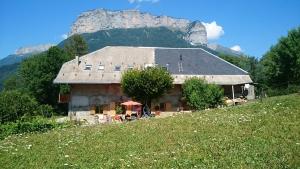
[{"x": 131, "y": 103}]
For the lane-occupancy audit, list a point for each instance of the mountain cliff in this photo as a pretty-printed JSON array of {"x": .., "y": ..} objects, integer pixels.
[{"x": 101, "y": 19}]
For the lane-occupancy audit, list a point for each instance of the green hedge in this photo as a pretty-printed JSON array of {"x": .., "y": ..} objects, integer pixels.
[
  {"x": 36, "y": 124},
  {"x": 283, "y": 91},
  {"x": 201, "y": 95}
]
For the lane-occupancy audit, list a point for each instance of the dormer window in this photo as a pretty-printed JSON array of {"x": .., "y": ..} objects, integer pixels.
[
  {"x": 117, "y": 68},
  {"x": 130, "y": 67},
  {"x": 101, "y": 67},
  {"x": 88, "y": 67}
]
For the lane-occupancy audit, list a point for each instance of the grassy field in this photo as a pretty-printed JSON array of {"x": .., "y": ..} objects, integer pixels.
[{"x": 255, "y": 135}]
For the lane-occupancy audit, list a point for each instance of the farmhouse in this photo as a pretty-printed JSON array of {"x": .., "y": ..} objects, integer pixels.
[{"x": 95, "y": 78}]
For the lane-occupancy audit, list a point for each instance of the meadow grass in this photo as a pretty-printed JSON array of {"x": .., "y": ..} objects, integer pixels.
[{"x": 256, "y": 135}]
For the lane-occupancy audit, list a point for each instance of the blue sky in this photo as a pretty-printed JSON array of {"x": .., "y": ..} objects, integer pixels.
[{"x": 253, "y": 25}]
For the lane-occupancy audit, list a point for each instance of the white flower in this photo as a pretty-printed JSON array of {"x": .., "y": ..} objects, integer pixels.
[
  {"x": 67, "y": 156},
  {"x": 29, "y": 146}
]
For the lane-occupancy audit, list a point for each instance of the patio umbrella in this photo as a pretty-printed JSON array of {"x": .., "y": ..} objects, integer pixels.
[{"x": 131, "y": 103}]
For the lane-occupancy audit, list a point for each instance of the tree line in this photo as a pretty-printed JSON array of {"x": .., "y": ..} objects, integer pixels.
[
  {"x": 31, "y": 91},
  {"x": 278, "y": 71}
]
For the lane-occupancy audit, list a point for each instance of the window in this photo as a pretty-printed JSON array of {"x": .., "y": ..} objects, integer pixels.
[
  {"x": 88, "y": 67},
  {"x": 101, "y": 67},
  {"x": 130, "y": 67},
  {"x": 117, "y": 68}
]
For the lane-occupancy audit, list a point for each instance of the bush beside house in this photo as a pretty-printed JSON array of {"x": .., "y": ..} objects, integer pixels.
[{"x": 201, "y": 95}]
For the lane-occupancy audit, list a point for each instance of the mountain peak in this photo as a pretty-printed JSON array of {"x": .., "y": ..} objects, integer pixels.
[
  {"x": 103, "y": 19},
  {"x": 33, "y": 49}
]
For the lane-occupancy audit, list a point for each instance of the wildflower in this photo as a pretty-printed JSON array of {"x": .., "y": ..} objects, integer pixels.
[
  {"x": 67, "y": 156},
  {"x": 29, "y": 146},
  {"x": 195, "y": 131},
  {"x": 66, "y": 164}
]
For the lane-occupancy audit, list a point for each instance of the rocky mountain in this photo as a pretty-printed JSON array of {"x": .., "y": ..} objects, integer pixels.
[
  {"x": 101, "y": 19},
  {"x": 22, "y": 53}
]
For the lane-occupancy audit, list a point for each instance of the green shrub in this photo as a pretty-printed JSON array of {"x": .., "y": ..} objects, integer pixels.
[
  {"x": 215, "y": 95},
  {"x": 15, "y": 105},
  {"x": 119, "y": 110},
  {"x": 200, "y": 95},
  {"x": 45, "y": 110},
  {"x": 283, "y": 91},
  {"x": 36, "y": 124}
]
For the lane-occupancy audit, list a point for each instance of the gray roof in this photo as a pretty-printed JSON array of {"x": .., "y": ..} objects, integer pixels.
[{"x": 194, "y": 62}]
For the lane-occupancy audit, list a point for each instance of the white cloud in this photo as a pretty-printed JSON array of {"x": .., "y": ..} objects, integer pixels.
[
  {"x": 214, "y": 31},
  {"x": 236, "y": 48},
  {"x": 64, "y": 36},
  {"x": 139, "y": 1}
]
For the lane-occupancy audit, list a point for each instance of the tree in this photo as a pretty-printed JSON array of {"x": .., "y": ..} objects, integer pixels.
[
  {"x": 76, "y": 46},
  {"x": 145, "y": 85},
  {"x": 14, "y": 105},
  {"x": 281, "y": 64},
  {"x": 200, "y": 95},
  {"x": 13, "y": 82},
  {"x": 38, "y": 73},
  {"x": 247, "y": 63}
]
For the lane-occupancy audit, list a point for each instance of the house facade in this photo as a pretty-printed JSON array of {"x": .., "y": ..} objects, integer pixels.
[{"x": 95, "y": 78}]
